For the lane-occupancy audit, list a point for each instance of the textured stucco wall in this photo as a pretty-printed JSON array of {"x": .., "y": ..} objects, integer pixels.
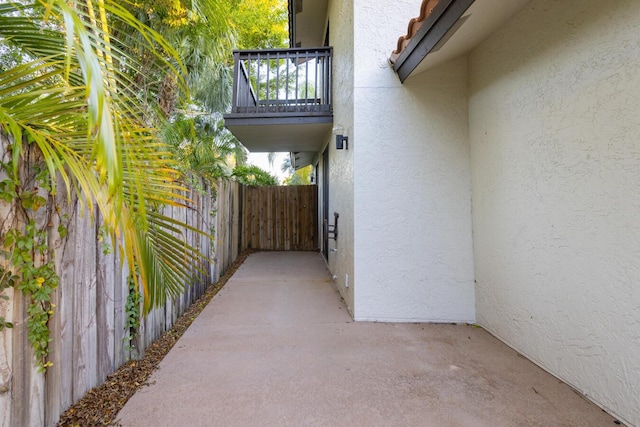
[
  {"x": 555, "y": 127},
  {"x": 341, "y": 260},
  {"x": 413, "y": 242}
]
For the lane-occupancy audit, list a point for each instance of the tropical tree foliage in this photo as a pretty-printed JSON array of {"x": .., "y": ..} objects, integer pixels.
[
  {"x": 98, "y": 85},
  {"x": 74, "y": 90},
  {"x": 204, "y": 146},
  {"x": 253, "y": 175},
  {"x": 261, "y": 24},
  {"x": 201, "y": 34},
  {"x": 204, "y": 37}
]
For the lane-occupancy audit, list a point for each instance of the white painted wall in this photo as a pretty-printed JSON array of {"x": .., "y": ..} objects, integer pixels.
[
  {"x": 413, "y": 243},
  {"x": 555, "y": 150},
  {"x": 341, "y": 261}
]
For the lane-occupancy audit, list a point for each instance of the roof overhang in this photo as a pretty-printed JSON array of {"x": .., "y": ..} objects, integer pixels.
[
  {"x": 447, "y": 29},
  {"x": 307, "y": 22}
]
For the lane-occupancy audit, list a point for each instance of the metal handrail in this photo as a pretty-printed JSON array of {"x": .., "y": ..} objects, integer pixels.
[{"x": 282, "y": 81}]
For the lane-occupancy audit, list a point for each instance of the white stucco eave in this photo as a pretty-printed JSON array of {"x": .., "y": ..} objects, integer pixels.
[{"x": 477, "y": 23}]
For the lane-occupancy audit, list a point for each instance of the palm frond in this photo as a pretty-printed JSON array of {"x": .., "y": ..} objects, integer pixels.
[{"x": 75, "y": 97}]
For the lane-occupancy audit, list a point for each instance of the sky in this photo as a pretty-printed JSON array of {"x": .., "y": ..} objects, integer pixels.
[{"x": 262, "y": 161}]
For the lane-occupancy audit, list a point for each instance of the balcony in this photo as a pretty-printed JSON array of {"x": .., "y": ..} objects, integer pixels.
[{"x": 282, "y": 99}]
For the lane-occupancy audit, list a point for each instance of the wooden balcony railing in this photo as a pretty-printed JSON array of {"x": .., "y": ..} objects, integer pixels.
[{"x": 279, "y": 82}]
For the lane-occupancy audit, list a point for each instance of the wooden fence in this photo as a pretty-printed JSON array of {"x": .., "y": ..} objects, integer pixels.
[
  {"x": 280, "y": 218},
  {"x": 89, "y": 337},
  {"x": 227, "y": 232}
]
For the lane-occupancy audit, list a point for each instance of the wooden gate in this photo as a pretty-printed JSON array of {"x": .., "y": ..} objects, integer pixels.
[{"x": 283, "y": 218}]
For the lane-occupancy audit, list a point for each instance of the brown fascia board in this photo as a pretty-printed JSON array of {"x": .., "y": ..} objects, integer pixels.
[{"x": 427, "y": 34}]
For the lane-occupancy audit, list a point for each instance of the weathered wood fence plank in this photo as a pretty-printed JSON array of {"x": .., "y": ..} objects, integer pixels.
[
  {"x": 88, "y": 328},
  {"x": 280, "y": 218}
]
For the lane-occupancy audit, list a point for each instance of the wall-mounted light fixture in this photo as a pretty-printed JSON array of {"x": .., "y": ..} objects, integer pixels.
[{"x": 342, "y": 141}]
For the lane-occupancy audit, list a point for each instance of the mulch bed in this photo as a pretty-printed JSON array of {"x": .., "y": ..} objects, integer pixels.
[{"x": 101, "y": 404}]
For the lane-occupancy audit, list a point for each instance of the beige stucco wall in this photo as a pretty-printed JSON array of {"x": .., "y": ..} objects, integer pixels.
[
  {"x": 341, "y": 255},
  {"x": 554, "y": 114},
  {"x": 413, "y": 250}
]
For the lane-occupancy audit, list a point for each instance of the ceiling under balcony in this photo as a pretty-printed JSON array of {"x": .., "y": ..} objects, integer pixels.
[
  {"x": 283, "y": 133},
  {"x": 307, "y": 22}
]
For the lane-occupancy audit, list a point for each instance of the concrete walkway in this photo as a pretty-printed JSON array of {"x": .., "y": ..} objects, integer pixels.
[{"x": 276, "y": 347}]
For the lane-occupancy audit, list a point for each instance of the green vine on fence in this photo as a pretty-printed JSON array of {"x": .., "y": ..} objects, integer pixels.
[
  {"x": 36, "y": 283},
  {"x": 27, "y": 268},
  {"x": 132, "y": 311}
]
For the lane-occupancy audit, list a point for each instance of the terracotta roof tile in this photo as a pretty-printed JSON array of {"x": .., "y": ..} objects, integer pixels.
[{"x": 414, "y": 25}]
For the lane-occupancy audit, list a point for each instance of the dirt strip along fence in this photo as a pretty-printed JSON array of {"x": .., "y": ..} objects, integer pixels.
[
  {"x": 90, "y": 337},
  {"x": 280, "y": 218}
]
